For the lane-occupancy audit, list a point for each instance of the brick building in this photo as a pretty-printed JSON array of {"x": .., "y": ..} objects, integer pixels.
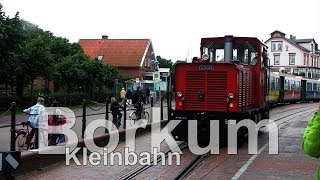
[{"x": 131, "y": 56}]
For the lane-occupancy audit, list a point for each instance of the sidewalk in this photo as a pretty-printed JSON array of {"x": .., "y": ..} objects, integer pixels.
[{"x": 93, "y": 113}]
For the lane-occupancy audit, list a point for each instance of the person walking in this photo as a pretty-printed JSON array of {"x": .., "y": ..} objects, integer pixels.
[
  {"x": 122, "y": 95},
  {"x": 129, "y": 96},
  {"x": 36, "y": 112},
  {"x": 115, "y": 110},
  {"x": 148, "y": 95},
  {"x": 311, "y": 138},
  {"x": 137, "y": 100}
]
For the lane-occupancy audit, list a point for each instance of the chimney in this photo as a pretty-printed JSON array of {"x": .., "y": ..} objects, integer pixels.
[
  {"x": 104, "y": 36},
  {"x": 292, "y": 37}
]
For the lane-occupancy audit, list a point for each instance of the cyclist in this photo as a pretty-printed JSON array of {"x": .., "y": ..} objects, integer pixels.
[
  {"x": 138, "y": 100},
  {"x": 36, "y": 112},
  {"x": 115, "y": 110}
]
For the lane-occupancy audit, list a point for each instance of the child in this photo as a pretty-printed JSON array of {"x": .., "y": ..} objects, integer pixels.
[
  {"x": 116, "y": 114},
  {"x": 55, "y": 122}
]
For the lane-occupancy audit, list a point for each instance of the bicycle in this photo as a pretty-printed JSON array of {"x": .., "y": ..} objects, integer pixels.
[
  {"x": 22, "y": 138},
  {"x": 23, "y": 141},
  {"x": 133, "y": 117}
]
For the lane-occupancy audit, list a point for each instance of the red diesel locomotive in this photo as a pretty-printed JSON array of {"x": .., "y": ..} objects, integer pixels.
[{"x": 228, "y": 81}]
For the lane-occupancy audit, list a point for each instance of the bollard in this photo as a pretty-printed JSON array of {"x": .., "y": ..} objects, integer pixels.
[
  {"x": 107, "y": 113},
  {"x": 84, "y": 114},
  {"x": 13, "y": 127},
  {"x": 107, "y": 109},
  {"x": 125, "y": 113},
  {"x": 151, "y": 101},
  {"x": 161, "y": 109}
]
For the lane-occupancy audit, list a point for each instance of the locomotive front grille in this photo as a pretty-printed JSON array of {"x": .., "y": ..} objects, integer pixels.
[{"x": 213, "y": 85}]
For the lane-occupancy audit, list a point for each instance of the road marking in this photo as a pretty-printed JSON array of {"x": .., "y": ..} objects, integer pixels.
[
  {"x": 13, "y": 162},
  {"x": 0, "y": 161},
  {"x": 245, "y": 166}
]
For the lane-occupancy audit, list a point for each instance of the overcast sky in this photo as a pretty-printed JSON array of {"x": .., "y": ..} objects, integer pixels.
[{"x": 174, "y": 26}]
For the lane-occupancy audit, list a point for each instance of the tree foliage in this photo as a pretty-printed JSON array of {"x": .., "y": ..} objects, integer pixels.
[{"x": 164, "y": 63}]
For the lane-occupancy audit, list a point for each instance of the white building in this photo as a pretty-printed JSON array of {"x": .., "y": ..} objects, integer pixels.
[{"x": 295, "y": 56}]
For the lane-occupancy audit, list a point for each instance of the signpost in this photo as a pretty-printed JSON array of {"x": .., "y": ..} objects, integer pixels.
[{"x": 9, "y": 161}]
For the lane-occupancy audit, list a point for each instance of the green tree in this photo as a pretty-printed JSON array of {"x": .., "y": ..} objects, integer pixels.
[
  {"x": 164, "y": 63},
  {"x": 11, "y": 40}
]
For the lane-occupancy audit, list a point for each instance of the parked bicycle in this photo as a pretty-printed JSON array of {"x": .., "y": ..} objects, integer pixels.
[{"x": 134, "y": 118}]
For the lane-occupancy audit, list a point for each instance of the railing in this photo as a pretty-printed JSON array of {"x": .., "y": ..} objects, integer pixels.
[{"x": 84, "y": 106}]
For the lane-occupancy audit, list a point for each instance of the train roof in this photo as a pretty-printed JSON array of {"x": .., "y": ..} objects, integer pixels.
[{"x": 237, "y": 39}]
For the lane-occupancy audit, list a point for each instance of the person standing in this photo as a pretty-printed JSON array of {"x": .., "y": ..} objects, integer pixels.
[{"x": 122, "y": 95}]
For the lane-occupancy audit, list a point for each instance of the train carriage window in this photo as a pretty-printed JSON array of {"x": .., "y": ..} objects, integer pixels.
[
  {"x": 298, "y": 85},
  {"x": 309, "y": 86},
  {"x": 287, "y": 85},
  {"x": 277, "y": 84},
  {"x": 315, "y": 87},
  {"x": 293, "y": 85},
  {"x": 273, "y": 83}
]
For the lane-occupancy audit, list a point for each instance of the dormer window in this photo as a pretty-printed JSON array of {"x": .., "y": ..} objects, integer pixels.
[{"x": 312, "y": 47}]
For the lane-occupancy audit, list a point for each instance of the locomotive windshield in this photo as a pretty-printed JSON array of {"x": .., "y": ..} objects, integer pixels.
[{"x": 245, "y": 53}]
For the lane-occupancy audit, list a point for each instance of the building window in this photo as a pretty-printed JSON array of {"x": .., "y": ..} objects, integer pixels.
[
  {"x": 273, "y": 47},
  {"x": 276, "y": 59},
  {"x": 311, "y": 47},
  {"x": 304, "y": 59},
  {"x": 276, "y": 46},
  {"x": 287, "y": 47},
  {"x": 292, "y": 59},
  {"x": 307, "y": 59}
]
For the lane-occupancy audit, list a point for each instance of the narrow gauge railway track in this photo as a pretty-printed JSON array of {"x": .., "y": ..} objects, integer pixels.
[
  {"x": 199, "y": 159},
  {"x": 290, "y": 113},
  {"x": 135, "y": 172}
]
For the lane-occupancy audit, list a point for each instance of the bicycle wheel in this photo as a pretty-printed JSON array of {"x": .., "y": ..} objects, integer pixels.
[
  {"x": 145, "y": 116},
  {"x": 20, "y": 141},
  {"x": 133, "y": 118}
]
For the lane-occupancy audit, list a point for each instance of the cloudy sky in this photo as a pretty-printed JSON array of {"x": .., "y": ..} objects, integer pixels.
[{"x": 174, "y": 26}]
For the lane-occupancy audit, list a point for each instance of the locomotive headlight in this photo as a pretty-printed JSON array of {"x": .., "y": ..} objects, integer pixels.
[
  {"x": 230, "y": 95},
  {"x": 205, "y": 57},
  {"x": 179, "y": 94}
]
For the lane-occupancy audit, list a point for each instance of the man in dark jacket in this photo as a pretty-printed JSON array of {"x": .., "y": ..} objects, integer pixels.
[
  {"x": 148, "y": 94},
  {"x": 137, "y": 101},
  {"x": 115, "y": 110}
]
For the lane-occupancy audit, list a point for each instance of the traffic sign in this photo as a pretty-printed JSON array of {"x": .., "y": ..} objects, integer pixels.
[
  {"x": 156, "y": 76},
  {"x": 9, "y": 160}
]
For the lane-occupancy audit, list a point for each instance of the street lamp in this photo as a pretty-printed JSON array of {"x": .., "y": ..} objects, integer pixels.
[{"x": 155, "y": 64}]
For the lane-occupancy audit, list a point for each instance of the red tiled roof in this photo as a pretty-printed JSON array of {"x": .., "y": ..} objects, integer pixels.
[{"x": 118, "y": 52}]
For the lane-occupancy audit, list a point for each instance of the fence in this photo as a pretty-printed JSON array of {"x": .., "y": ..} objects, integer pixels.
[{"x": 95, "y": 107}]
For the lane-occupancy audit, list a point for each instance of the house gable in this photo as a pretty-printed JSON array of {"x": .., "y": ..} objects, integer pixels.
[{"x": 118, "y": 52}]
